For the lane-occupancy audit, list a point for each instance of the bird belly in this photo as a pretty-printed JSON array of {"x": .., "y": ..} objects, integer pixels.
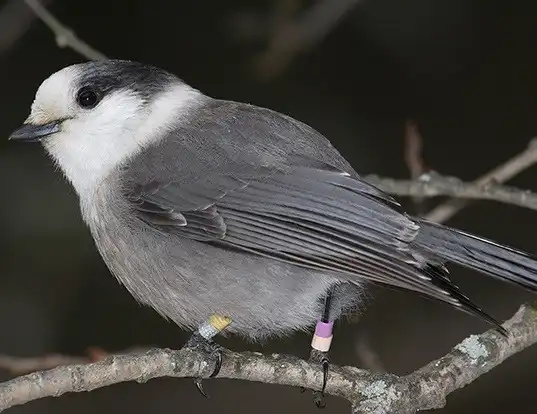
[{"x": 187, "y": 281}]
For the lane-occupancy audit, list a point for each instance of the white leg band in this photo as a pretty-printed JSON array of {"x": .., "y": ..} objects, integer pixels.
[{"x": 321, "y": 344}]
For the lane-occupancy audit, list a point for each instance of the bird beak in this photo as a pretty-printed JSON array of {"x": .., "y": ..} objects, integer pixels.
[{"x": 34, "y": 132}]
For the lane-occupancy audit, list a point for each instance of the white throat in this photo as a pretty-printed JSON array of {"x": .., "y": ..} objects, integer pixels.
[{"x": 89, "y": 150}]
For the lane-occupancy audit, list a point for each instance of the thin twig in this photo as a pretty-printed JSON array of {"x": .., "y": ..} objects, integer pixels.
[
  {"x": 368, "y": 392},
  {"x": 300, "y": 34},
  {"x": 432, "y": 185},
  {"x": 65, "y": 37},
  {"x": 24, "y": 365},
  {"x": 15, "y": 19},
  {"x": 413, "y": 155},
  {"x": 500, "y": 174},
  {"x": 369, "y": 359},
  {"x": 252, "y": 26},
  {"x": 413, "y": 152}
]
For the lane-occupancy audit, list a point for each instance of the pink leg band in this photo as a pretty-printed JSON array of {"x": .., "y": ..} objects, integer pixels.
[{"x": 322, "y": 339}]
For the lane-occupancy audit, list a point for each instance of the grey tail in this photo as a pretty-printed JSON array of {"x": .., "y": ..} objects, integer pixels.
[{"x": 477, "y": 253}]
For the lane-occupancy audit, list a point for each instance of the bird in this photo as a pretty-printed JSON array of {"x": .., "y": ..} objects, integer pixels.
[{"x": 232, "y": 219}]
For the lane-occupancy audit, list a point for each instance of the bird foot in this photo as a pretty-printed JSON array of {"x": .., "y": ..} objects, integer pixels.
[
  {"x": 212, "y": 354},
  {"x": 202, "y": 341},
  {"x": 319, "y": 357}
]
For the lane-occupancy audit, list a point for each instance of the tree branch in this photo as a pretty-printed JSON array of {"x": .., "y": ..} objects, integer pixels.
[
  {"x": 25, "y": 365},
  {"x": 497, "y": 175},
  {"x": 65, "y": 37},
  {"x": 433, "y": 184},
  {"x": 15, "y": 19},
  {"x": 298, "y": 35},
  {"x": 413, "y": 151},
  {"x": 22, "y": 365},
  {"x": 423, "y": 389}
]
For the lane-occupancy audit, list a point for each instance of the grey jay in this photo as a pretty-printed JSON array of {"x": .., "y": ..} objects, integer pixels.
[{"x": 228, "y": 217}]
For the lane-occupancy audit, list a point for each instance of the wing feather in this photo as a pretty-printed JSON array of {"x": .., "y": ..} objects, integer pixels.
[{"x": 319, "y": 218}]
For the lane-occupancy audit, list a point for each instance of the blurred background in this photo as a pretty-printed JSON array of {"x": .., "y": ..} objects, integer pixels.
[{"x": 463, "y": 70}]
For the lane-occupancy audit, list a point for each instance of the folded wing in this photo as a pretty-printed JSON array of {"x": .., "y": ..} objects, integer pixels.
[{"x": 311, "y": 215}]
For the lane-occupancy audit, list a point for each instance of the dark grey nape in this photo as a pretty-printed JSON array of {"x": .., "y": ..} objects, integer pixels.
[{"x": 112, "y": 75}]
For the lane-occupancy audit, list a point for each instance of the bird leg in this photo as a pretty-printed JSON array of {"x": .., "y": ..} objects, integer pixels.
[
  {"x": 202, "y": 341},
  {"x": 320, "y": 344}
]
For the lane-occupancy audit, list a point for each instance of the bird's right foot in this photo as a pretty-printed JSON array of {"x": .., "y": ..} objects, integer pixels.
[{"x": 202, "y": 341}]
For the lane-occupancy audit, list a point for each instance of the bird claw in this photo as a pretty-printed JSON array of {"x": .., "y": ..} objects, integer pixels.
[
  {"x": 212, "y": 352},
  {"x": 318, "y": 399},
  {"x": 218, "y": 362},
  {"x": 320, "y": 358},
  {"x": 198, "y": 382},
  {"x": 326, "y": 368}
]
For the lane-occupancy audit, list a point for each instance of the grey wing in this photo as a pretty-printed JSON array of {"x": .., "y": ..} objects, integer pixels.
[{"x": 310, "y": 214}]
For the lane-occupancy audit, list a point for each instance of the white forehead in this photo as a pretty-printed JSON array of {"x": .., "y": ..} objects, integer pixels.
[{"x": 55, "y": 96}]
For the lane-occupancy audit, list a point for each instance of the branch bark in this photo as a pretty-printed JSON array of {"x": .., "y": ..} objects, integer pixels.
[
  {"x": 497, "y": 175},
  {"x": 426, "y": 388},
  {"x": 433, "y": 184}
]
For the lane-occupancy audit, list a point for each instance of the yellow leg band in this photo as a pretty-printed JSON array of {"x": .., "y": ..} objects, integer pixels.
[
  {"x": 214, "y": 325},
  {"x": 219, "y": 322}
]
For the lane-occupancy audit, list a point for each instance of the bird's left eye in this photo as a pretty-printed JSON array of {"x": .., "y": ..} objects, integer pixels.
[{"x": 87, "y": 98}]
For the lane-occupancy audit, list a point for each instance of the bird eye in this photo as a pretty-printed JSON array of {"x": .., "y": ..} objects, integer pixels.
[{"x": 87, "y": 98}]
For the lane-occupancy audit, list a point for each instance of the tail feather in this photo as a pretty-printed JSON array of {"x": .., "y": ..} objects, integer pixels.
[
  {"x": 463, "y": 302},
  {"x": 486, "y": 256}
]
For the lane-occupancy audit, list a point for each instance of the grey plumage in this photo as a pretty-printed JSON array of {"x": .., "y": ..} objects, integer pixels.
[{"x": 238, "y": 210}]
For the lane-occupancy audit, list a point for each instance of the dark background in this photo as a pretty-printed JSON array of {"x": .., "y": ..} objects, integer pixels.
[{"x": 464, "y": 70}]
